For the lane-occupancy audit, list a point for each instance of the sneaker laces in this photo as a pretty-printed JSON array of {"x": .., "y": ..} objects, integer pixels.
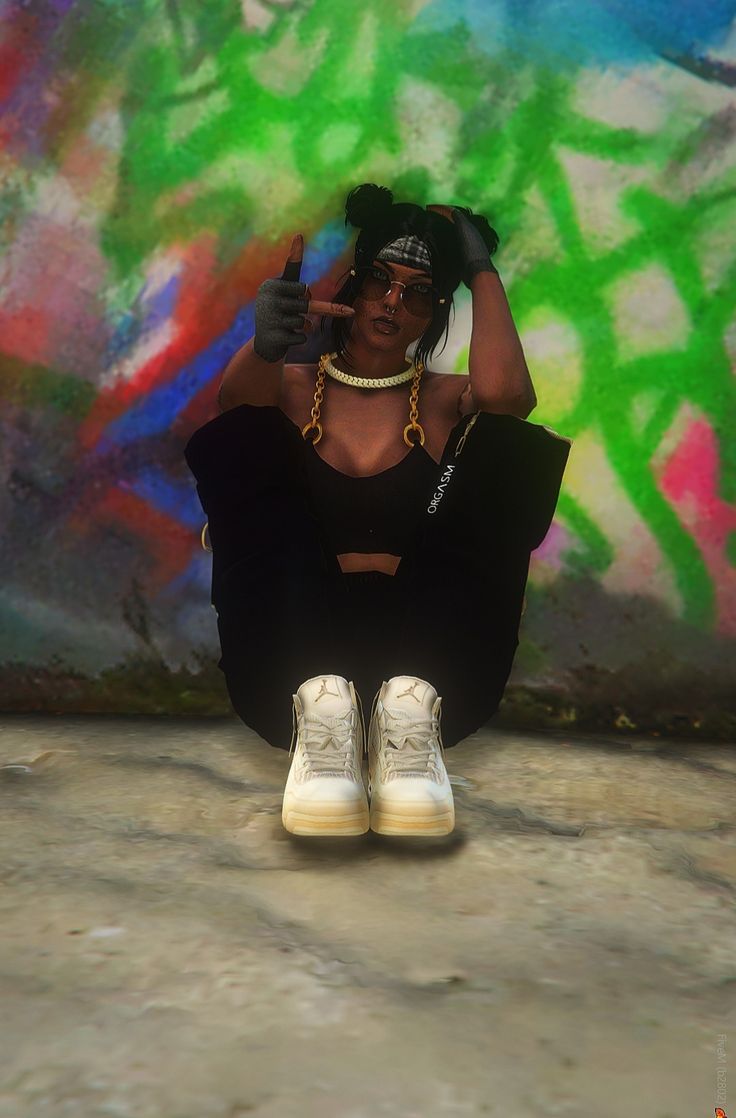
[
  {"x": 416, "y": 740},
  {"x": 325, "y": 740}
]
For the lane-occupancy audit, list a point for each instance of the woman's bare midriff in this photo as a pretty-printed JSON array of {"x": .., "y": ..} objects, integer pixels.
[
  {"x": 365, "y": 561},
  {"x": 362, "y": 433}
]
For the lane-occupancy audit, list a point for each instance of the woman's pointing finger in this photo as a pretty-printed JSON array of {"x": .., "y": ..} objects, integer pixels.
[
  {"x": 316, "y": 306},
  {"x": 292, "y": 271}
]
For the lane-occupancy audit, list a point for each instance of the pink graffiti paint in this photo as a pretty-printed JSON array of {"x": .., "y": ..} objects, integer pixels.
[
  {"x": 552, "y": 547},
  {"x": 690, "y": 479}
]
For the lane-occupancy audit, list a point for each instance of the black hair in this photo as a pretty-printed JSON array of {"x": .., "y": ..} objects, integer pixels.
[{"x": 371, "y": 208}]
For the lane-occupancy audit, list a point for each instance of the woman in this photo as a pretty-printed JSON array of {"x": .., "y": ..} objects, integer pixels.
[{"x": 398, "y": 573}]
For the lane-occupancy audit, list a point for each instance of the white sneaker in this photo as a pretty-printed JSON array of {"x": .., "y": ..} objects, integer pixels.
[
  {"x": 408, "y": 784},
  {"x": 325, "y": 793}
]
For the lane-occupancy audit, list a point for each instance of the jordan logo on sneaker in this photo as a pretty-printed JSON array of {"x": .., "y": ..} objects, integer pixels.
[
  {"x": 410, "y": 691},
  {"x": 324, "y": 691}
]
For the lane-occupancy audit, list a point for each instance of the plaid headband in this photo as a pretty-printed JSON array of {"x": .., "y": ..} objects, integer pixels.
[{"x": 408, "y": 250}]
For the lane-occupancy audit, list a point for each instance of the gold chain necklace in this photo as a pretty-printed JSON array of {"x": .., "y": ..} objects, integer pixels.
[
  {"x": 367, "y": 382},
  {"x": 325, "y": 364}
]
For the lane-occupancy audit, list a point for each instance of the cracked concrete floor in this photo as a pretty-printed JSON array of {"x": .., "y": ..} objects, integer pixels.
[{"x": 168, "y": 950}]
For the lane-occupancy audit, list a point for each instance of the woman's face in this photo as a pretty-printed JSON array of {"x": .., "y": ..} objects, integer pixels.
[{"x": 408, "y": 326}]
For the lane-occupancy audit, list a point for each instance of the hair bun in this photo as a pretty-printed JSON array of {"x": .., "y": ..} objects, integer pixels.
[{"x": 367, "y": 204}]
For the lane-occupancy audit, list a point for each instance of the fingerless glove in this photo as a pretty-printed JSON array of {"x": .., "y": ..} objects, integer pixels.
[{"x": 281, "y": 307}]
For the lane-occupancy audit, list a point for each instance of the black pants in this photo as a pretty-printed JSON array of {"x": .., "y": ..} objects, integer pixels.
[{"x": 450, "y": 614}]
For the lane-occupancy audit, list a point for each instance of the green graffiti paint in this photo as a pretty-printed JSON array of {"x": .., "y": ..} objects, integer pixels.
[{"x": 242, "y": 134}]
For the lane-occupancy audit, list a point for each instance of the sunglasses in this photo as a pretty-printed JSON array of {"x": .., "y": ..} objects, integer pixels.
[{"x": 419, "y": 298}]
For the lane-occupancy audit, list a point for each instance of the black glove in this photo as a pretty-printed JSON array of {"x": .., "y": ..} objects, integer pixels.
[{"x": 281, "y": 306}]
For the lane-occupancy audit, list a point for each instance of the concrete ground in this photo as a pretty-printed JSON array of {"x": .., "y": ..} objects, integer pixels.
[{"x": 168, "y": 950}]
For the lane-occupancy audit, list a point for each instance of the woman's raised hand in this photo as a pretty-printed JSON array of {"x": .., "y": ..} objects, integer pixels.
[{"x": 282, "y": 306}]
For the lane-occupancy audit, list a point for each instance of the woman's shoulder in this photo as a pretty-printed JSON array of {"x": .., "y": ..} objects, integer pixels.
[
  {"x": 298, "y": 378},
  {"x": 295, "y": 373}
]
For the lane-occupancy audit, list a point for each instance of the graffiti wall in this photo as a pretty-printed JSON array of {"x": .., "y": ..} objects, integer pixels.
[{"x": 157, "y": 159}]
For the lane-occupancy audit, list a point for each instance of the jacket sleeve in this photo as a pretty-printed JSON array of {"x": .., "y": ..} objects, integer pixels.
[{"x": 243, "y": 453}]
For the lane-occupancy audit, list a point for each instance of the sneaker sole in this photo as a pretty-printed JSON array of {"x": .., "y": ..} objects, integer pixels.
[
  {"x": 326, "y": 819},
  {"x": 411, "y": 820}
]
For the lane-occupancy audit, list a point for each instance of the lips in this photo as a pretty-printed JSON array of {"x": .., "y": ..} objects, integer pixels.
[{"x": 386, "y": 322}]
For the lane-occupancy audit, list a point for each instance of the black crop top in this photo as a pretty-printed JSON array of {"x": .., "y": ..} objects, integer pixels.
[{"x": 377, "y": 513}]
